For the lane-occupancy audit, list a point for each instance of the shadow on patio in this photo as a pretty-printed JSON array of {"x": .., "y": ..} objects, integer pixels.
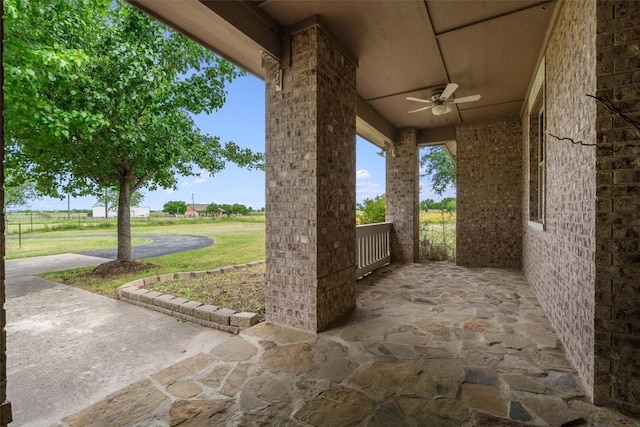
[{"x": 429, "y": 344}]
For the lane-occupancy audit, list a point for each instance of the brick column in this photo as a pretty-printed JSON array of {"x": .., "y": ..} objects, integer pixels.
[
  {"x": 489, "y": 163},
  {"x": 617, "y": 296},
  {"x": 310, "y": 183},
  {"x": 402, "y": 194}
]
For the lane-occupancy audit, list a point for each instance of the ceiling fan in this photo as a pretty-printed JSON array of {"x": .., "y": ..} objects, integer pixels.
[{"x": 440, "y": 100}]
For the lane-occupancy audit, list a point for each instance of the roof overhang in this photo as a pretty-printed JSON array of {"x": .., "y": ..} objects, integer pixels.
[{"x": 402, "y": 48}]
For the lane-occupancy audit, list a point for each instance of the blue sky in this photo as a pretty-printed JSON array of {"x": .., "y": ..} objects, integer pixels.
[{"x": 241, "y": 120}]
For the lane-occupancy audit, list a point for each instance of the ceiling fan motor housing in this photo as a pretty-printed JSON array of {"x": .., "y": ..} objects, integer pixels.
[
  {"x": 441, "y": 98},
  {"x": 436, "y": 93}
]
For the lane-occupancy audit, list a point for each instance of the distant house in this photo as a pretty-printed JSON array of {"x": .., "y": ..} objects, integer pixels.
[
  {"x": 196, "y": 209},
  {"x": 99, "y": 212}
]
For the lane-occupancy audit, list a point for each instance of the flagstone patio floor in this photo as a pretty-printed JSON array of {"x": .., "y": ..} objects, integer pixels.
[{"x": 429, "y": 344}]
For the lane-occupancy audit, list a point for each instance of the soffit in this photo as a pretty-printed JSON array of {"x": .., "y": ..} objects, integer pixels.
[
  {"x": 403, "y": 48},
  {"x": 198, "y": 22}
]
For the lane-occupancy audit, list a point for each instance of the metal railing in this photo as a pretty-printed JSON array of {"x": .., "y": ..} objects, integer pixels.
[{"x": 373, "y": 247}]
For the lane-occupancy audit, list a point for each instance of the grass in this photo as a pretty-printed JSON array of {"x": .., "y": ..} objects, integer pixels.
[
  {"x": 436, "y": 217},
  {"x": 37, "y": 246},
  {"x": 58, "y": 237},
  {"x": 45, "y": 222},
  {"x": 237, "y": 241},
  {"x": 239, "y": 290},
  {"x": 438, "y": 236}
]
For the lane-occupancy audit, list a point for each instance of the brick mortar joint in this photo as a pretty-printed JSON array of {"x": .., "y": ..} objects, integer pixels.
[{"x": 174, "y": 311}]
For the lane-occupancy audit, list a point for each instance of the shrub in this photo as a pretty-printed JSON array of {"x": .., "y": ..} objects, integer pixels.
[{"x": 372, "y": 211}]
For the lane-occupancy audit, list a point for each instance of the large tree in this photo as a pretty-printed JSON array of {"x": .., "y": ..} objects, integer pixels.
[
  {"x": 99, "y": 95},
  {"x": 440, "y": 168},
  {"x": 18, "y": 193},
  {"x": 213, "y": 209},
  {"x": 175, "y": 207}
]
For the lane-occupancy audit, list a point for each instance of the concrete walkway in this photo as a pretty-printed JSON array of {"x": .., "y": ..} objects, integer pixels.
[
  {"x": 67, "y": 347},
  {"x": 428, "y": 345}
]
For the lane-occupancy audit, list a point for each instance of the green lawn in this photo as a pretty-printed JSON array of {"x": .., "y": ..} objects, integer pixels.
[
  {"x": 237, "y": 241},
  {"x": 51, "y": 245}
]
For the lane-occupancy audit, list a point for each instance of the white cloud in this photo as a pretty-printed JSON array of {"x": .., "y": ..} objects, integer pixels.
[
  {"x": 365, "y": 187},
  {"x": 368, "y": 190},
  {"x": 168, "y": 191},
  {"x": 199, "y": 178},
  {"x": 363, "y": 174}
]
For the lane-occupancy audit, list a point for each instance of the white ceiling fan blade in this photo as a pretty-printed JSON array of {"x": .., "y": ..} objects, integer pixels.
[
  {"x": 448, "y": 91},
  {"x": 466, "y": 99},
  {"x": 411, "y": 98},
  {"x": 421, "y": 109}
]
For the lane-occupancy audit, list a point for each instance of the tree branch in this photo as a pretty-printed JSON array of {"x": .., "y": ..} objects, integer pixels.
[
  {"x": 571, "y": 140},
  {"x": 136, "y": 186},
  {"x": 616, "y": 111}
]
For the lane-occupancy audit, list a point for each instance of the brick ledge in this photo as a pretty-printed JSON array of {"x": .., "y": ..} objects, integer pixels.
[{"x": 207, "y": 315}]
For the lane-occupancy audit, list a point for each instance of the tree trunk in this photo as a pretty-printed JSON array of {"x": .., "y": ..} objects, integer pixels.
[
  {"x": 106, "y": 205},
  {"x": 124, "y": 221}
]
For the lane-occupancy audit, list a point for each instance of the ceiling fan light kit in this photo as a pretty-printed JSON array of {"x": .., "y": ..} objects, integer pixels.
[
  {"x": 441, "y": 109},
  {"x": 440, "y": 98}
]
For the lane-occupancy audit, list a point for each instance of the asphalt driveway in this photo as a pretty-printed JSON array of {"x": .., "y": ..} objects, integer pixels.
[
  {"x": 160, "y": 245},
  {"x": 67, "y": 348}
]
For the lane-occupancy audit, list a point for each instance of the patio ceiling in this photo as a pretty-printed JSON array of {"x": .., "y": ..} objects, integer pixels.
[{"x": 403, "y": 48}]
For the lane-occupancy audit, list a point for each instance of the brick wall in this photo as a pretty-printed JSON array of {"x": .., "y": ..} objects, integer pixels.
[
  {"x": 489, "y": 195},
  {"x": 310, "y": 185},
  {"x": 617, "y": 324},
  {"x": 402, "y": 195},
  {"x": 559, "y": 260}
]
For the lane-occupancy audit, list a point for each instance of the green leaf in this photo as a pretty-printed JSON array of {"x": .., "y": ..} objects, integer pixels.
[{"x": 440, "y": 168}]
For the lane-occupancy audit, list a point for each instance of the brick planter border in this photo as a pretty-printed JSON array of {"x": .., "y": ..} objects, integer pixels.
[{"x": 207, "y": 315}]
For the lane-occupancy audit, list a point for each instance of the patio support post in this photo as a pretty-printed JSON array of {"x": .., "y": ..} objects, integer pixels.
[
  {"x": 402, "y": 194},
  {"x": 310, "y": 181}
]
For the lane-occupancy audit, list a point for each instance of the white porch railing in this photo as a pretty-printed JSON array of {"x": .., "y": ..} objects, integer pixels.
[{"x": 373, "y": 247}]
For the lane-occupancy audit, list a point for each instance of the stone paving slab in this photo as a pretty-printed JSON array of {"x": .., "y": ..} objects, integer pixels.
[{"x": 401, "y": 363}]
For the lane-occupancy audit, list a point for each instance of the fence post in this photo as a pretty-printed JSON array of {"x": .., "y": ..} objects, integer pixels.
[{"x": 19, "y": 234}]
